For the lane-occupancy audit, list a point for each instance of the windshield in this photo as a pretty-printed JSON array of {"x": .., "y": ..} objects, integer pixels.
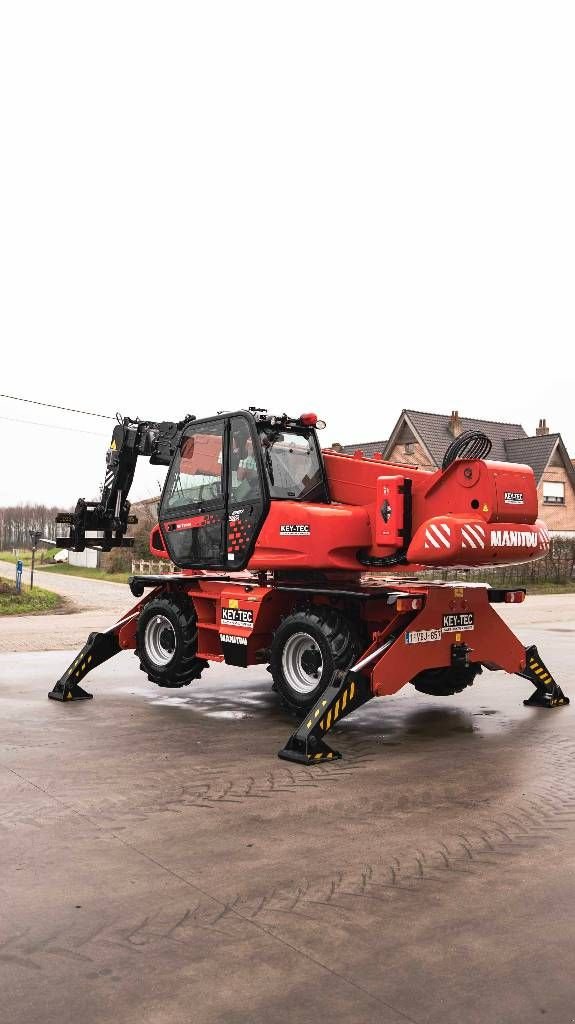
[
  {"x": 292, "y": 464},
  {"x": 195, "y": 477}
]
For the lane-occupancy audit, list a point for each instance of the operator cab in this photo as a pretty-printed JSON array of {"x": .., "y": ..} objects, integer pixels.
[{"x": 227, "y": 470}]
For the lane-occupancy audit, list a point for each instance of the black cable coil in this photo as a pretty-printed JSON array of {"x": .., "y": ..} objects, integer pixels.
[{"x": 472, "y": 444}]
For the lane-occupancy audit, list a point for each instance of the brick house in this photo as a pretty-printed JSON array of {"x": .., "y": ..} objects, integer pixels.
[
  {"x": 421, "y": 439},
  {"x": 146, "y": 511}
]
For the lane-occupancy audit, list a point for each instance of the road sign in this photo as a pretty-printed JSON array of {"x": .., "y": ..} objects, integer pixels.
[{"x": 19, "y": 568}]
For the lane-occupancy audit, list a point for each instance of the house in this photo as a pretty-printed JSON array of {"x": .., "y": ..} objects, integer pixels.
[
  {"x": 422, "y": 438},
  {"x": 146, "y": 511}
]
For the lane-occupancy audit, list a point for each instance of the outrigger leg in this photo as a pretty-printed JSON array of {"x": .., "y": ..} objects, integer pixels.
[
  {"x": 99, "y": 648},
  {"x": 547, "y": 692},
  {"x": 346, "y": 692}
]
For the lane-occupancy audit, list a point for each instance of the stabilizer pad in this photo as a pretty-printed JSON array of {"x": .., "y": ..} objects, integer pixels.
[{"x": 76, "y": 693}]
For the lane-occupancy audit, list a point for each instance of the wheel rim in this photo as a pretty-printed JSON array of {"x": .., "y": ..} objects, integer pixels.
[
  {"x": 160, "y": 640},
  {"x": 302, "y": 663}
]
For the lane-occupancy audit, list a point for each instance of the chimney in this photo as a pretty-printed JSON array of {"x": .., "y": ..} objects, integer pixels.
[
  {"x": 542, "y": 429},
  {"x": 454, "y": 426}
]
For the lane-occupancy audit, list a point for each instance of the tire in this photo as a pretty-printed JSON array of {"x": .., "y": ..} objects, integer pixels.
[
  {"x": 444, "y": 682},
  {"x": 306, "y": 649},
  {"x": 167, "y": 641}
]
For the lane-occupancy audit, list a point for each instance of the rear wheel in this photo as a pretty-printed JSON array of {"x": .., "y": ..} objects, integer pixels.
[
  {"x": 444, "y": 682},
  {"x": 306, "y": 649},
  {"x": 167, "y": 641}
]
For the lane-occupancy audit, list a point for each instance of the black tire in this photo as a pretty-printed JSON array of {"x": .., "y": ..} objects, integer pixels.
[
  {"x": 444, "y": 682},
  {"x": 167, "y": 641},
  {"x": 295, "y": 662}
]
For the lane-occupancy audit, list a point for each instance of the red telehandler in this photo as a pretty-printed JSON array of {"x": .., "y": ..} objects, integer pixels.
[{"x": 305, "y": 560}]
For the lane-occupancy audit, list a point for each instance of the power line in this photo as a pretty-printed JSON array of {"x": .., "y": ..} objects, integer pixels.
[
  {"x": 63, "y": 408},
  {"x": 53, "y": 426}
]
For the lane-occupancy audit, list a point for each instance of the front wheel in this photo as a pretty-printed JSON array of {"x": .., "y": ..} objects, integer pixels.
[
  {"x": 167, "y": 641},
  {"x": 306, "y": 650}
]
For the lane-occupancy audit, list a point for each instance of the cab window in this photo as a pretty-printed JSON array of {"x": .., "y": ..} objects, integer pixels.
[
  {"x": 196, "y": 473},
  {"x": 244, "y": 480},
  {"x": 292, "y": 464}
]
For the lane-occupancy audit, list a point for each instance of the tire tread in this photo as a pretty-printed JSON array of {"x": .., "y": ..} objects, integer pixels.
[
  {"x": 337, "y": 631},
  {"x": 190, "y": 666}
]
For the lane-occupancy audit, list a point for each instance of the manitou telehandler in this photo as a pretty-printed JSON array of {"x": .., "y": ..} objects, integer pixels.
[{"x": 286, "y": 555}]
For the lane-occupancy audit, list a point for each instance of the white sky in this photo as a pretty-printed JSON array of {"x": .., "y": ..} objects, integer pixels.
[{"x": 349, "y": 208}]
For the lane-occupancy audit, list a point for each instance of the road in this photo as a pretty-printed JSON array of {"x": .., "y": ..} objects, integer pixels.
[
  {"x": 91, "y": 605},
  {"x": 161, "y": 866},
  {"x": 95, "y": 605}
]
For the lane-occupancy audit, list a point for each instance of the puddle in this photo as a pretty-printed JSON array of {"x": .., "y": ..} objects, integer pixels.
[
  {"x": 405, "y": 717},
  {"x": 228, "y": 714},
  {"x": 227, "y": 703},
  {"x": 394, "y": 720}
]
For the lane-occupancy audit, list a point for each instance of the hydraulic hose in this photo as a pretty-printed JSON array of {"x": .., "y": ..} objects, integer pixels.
[{"x": 472, "y": 444}]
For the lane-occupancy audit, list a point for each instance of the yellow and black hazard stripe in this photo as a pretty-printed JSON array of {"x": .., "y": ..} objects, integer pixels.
[
  {"x": 346, "y": 692},
  {"x": 547, "y": 692},
  {"x": 543, "y": 676}
]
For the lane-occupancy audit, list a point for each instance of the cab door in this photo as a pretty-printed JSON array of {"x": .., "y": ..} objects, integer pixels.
[
  {"x": 193, "y": 511},
  {"x": 247, "y": 499}
]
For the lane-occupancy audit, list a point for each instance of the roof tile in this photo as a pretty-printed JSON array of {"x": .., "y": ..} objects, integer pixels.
[
  {"x": 533, "y": 451},
  {"x": 368, "y": 448},
  {"x": 433, "y": 428}
]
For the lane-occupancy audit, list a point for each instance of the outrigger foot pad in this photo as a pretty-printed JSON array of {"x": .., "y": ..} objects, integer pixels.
[
  {"x": 99, "y": 648},
  {"x": 63, "y": 692},
  {"x": 346, "y": 692},
  {"x": 547, "y": 692}
]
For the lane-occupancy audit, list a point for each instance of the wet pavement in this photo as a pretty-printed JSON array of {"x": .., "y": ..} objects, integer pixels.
[{"x": 159, "y": 864}]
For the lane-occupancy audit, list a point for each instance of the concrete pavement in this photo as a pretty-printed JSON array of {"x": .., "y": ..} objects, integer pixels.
[{"x": 161, "y": 866}]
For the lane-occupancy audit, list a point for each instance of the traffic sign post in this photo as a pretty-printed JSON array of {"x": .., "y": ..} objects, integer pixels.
[
  {"x": 19, "y": 568},
  {"x": 34, "y": 537}
]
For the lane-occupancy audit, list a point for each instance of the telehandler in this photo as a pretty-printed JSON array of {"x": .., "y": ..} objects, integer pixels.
[{"x": 306, "y": 561}]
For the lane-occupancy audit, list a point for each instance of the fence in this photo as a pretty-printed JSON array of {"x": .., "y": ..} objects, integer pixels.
[
  {"x": 558, "y": 566},
  {"x": 142, "y": 567}
]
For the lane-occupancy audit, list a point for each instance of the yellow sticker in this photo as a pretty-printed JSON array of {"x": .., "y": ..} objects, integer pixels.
[
  {"x": 458, "y": 591},
  {"x": 233, "y": 603},
  {"x": 486, "y": 508},
  {"x": 458, "y": 638},
  {"x": 113, "y": 446}
]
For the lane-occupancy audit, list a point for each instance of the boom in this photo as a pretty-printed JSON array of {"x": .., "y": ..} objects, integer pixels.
[{"x": 107, "y": 520}]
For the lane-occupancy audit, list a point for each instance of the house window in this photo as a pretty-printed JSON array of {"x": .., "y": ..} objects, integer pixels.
[
  {"x": 408, "y": 448},
  {"x": 553, "y": 492}
]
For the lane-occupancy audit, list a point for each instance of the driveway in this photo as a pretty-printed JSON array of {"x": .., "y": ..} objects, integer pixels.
[{"x": 91, "y": 605}]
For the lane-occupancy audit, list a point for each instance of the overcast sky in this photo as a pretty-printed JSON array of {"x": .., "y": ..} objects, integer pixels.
[{"x": 344, "y": 207}]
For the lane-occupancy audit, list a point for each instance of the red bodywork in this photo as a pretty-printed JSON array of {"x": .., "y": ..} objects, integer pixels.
[{"x": 473, "y": 513}]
